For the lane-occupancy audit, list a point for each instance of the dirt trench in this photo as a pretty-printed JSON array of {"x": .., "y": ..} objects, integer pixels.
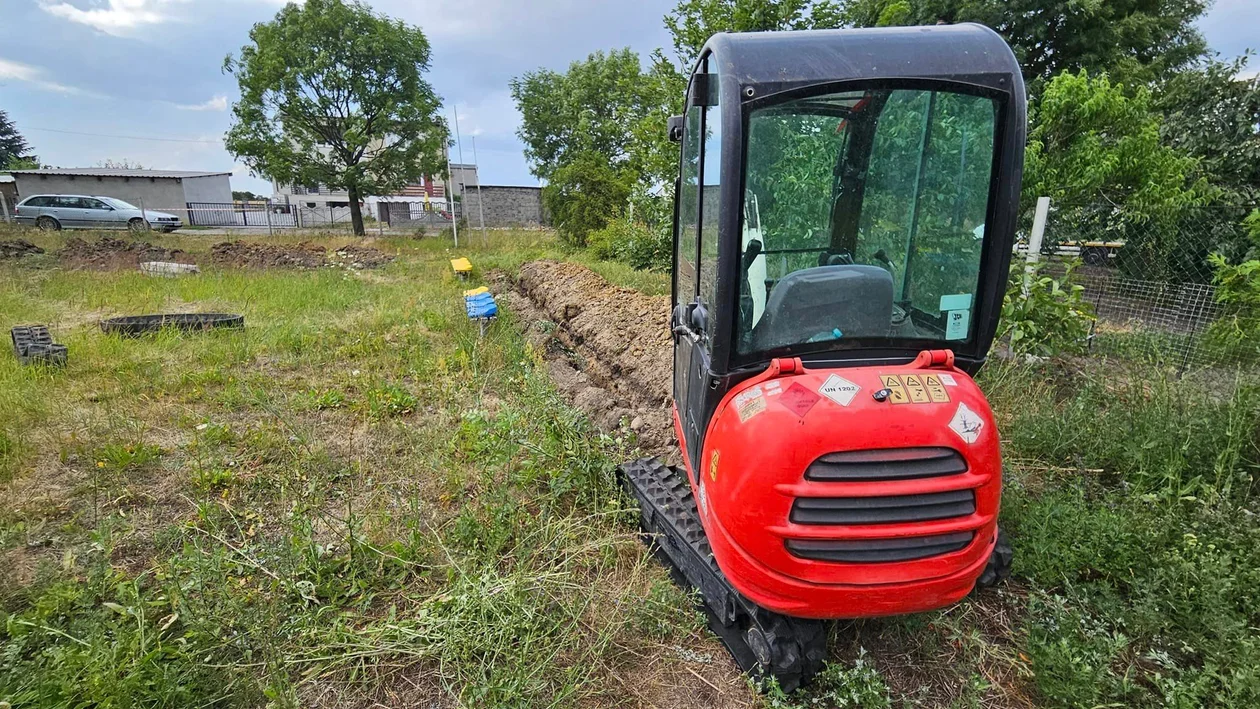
[{"x": 608, "y": 348}]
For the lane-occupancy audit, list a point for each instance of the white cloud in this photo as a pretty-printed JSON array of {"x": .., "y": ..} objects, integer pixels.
[
  {"x": 34, "y": 76},
  {"x": 217, "y": 103},
  {"x": 116, "y": 17}
]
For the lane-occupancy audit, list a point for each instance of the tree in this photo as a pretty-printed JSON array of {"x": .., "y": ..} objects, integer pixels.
[
  {"x": 334, "y": 94},
  {"x": 1096, "y": 151},
  {"x": 245, "y": 196},
  {"x": 692, "y": 22},
  {"x": 593, "y": 107},
  {"x": 584, "y": 194},
  {"x": 13, "y": 147},
  {"x": 1137, "y": 40},
  {"x": 1212, "y": 113}
]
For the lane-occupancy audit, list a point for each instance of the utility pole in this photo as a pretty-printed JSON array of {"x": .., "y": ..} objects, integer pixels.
[
  {"x": 481, "y": 205},
  {"x": 459, "y": 145},
  {"x": 450, "y": 196}
]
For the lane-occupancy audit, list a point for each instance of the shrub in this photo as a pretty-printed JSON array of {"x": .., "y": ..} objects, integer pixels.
[
  {"x": 1238, "y": 290},
  {"x": 584, "y": 195},
  {"x": 634, "y": 243},
  {"x": 1052, "y": 318}
]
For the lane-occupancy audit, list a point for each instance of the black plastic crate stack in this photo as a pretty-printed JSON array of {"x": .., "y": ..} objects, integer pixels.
[{"x": 33, "y": 345}]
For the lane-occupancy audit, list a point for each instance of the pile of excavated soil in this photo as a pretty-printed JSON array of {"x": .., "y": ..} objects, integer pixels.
[
  {"x": 608, "y": 348},
  {"x": 242, "y": 254},
  {"x": 108, "y": 252},
  {"x": 18, "y": 248}
]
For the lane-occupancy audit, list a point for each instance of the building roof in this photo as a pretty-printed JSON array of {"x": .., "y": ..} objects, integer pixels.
[
  {"x": 6, "y": 178},
  {"x": 117, "y": 172}
]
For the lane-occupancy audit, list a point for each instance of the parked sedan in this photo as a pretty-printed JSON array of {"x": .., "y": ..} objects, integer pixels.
[{"x": 52, "y": 212}]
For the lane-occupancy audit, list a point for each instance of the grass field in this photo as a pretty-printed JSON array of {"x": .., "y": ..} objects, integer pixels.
[{"x": 355, "y": 501}]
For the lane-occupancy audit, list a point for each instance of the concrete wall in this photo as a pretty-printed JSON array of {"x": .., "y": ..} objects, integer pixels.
[
  {"x": 215, "y": 188},
  {"x": 505, "y": 206},
  {"x": 160, "y": 194}
]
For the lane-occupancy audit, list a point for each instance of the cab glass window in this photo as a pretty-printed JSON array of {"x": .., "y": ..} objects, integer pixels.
[
  {"x": 864, "y": 218},
  {"x": 711, "y": 180},
  {"x": 688, "y": 209}
]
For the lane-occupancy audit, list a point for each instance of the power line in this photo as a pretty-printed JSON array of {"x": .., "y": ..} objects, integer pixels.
[{"x": 126, "y": 137}]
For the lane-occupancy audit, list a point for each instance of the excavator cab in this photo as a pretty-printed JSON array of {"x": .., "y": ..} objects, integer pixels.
[{"x": 844, "y": 218}]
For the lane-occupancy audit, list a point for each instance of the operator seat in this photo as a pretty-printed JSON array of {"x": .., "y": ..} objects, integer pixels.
[{"x": 854, "y": 299}]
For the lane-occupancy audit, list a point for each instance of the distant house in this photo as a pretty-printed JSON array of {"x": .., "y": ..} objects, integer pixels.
[
  {"x": 162, "y": 190},
  {"x": 8, "y": 193},
  {"x": 432, "y": 189}
]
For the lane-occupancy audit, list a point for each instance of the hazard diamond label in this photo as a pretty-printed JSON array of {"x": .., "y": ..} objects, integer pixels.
[
  {"x": 798, "y": 399},
  {"x": 967, "y": 424},
  {"x": 839, "y": 390}
]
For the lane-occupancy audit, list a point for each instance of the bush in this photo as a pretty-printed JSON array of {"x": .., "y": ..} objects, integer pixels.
[
  {"x": 584, "y": 195},
  {"x": 634, "y": 243},
  {"x": 1052, "y": 318},
  {"x": 1238, "y": 290}
]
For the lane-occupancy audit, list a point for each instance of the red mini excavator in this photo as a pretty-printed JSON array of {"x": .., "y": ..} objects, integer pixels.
[{"x": 844, "y": 217}]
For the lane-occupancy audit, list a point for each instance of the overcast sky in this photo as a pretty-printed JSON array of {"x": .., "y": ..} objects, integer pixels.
[{"x": 131, "y": 72}]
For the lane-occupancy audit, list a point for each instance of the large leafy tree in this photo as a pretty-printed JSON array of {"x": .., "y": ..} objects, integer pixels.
[
  {"x": 692, "y": 22},
  {"x": 594, "y": 107},
  {"x": 1213, "y": 113},
  {"x": 1096, "y": 151},
  {"x": 1135, "y": 39},
  {"x": 14, "y": 149},
  {"x": 334, "y": 94}
]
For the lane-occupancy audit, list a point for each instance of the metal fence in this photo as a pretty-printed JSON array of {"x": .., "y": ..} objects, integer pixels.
[
  {"x": 1149, "y": 279},
  {"x": 378, "y": 214}
]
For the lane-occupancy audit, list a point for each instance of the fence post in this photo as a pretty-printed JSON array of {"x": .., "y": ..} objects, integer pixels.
[
  {"x": 1034, "y": 241},
  {"x": 4, "y": 209},
  {"x": 270, "y": 231}
]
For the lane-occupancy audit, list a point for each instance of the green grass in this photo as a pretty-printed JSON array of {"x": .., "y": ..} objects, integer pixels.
[{"x": 356, "y": 499}]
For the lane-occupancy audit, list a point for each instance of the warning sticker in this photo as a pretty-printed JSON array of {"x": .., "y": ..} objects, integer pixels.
[
  {"x": 774, "y": 387},
  {"x": 798, "y": 399},
  {"x": 749, "y": 403},
  {"x": 967, "y": 424},
  {"x": 839, "y": 390},
  {"x": 713, "y": 461},
  {"x": 916, "y": 390},
  {"x": 936, "y": 388},
  {"x": 893, "y": 384}
]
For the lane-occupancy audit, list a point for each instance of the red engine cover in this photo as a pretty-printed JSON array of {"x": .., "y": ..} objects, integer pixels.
[{"x": 918, "y": 465}]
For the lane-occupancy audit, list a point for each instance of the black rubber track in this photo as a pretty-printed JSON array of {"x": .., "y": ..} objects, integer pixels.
[
  {"x": 33, "y": 345},
  {"x": 763, "y": 643},
  {"x": 999, "y": 567},
  {"x": 134, "y": 325}
]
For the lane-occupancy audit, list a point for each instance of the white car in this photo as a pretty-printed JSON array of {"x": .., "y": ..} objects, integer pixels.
[{"x": 53, "y": 212}]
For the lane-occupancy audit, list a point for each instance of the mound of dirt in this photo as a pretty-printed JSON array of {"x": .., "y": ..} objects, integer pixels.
[
  {"x": 108, "y": 253},
  {"x": 357, "y": 257},
  {"x": 609, "y": 348},
  {"x": 242, "y": 254},
  {"x": 18, "y": 248}
]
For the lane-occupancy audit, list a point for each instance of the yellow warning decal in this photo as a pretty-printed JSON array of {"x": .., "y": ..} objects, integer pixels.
[
  {"x": 713, "y": 462},
  {"x": 893, "y": 385},
  {"x": 915, "y": 388},
  {"x": 936, "y": 389}
]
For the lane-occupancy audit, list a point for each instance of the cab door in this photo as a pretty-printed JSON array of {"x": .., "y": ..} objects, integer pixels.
[{"x": 695, "y": 258}]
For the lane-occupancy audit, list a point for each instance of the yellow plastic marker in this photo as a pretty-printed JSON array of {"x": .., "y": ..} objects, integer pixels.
[
  {"x": 461, "y": 265},
  {"x": 476, "y": 291}
]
